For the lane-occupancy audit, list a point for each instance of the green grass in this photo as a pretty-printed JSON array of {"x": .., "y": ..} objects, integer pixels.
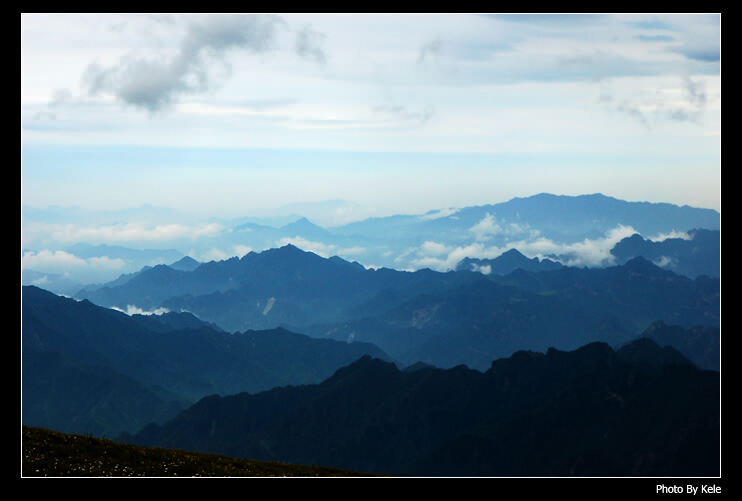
[{"x": 49, "y": 453}]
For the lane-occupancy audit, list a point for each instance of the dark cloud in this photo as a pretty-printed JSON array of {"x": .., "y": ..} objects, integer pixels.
[
  {"x": 690, "y": 109},
  {"x": 702, "y": 54},
  {"x": 401, "y": 113},
  {"x": 652, "y": 24},
  {"x": 634, "y": 112},
  {"x": 697, "y": 46},
  {"x": 154, "y": 84},
  {"x": 60, "y": 97},
  {"x": 566, "y": 20},
  {"x": 696, "y": 91},
  {"x": 696, "y": 98},
  {"x": 308, "y": 44},
  {"x": 429, "y": 50},
  {"x": 654, "y": 38}
]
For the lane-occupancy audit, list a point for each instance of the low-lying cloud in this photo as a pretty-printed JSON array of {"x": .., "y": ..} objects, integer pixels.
[
  {"x": 124, "y": 232},
  {"x": 61, "y": 262},
  {"x": 673, "y": 234},
  {"x": 321, "y": 249},
  {"x": 135, "y": 310},
  {"x": 488, "y": 227},
  {"x": 591, "y": 253}
]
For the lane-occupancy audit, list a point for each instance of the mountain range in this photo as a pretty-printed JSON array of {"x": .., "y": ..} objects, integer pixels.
[
  {"x": 506, "y": 263},
  {"x": 470, "y": 342},
  {"x": 563, "y": 229},
  {"x": 444, "y": 319},
  {"x": 698, "y": 254},
  {"x": 641, "y": 410},
  {"x": 88, "y": 369}
]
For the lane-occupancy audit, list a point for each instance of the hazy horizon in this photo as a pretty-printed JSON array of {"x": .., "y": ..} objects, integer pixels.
[
  {"x": 338, "y": 118},
  {"x": 224, "y": 114}
]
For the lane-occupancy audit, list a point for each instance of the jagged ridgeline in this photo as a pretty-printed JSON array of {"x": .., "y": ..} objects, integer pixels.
[
  {"x": 444, "y": 319},
  {"x": 638, "y": 411},
  {"x": 88, "y": 369},
  {"x": 511, "y": 366}
]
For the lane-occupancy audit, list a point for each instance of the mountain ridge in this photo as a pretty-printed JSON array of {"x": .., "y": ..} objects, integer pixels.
[
  {"x": 167, "y": 362},
  {"x": 374, "y": 417}
]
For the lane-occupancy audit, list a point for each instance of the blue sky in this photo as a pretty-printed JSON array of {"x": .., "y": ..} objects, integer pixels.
[{"x": 230, "y": 115}]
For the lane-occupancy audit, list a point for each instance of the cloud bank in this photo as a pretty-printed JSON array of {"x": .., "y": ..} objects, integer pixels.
[{"x": 591, "y": 253}]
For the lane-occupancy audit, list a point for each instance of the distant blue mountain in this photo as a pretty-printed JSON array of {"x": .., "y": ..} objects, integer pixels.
[
  {"x": 439, "y": 318},
  {"x": 699, "y": 255},
  {"x": 507, "y": 262},
  {"x": 185, "y": 264},
  {"x": 565, "y": 218}
]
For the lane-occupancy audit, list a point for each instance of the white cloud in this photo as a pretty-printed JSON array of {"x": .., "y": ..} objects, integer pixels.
[
  {"x": 489, "y": 227},
  {"x": 60, "y": 261},
  {"x": 135, "y": 310},
  {"x": 439, "y": 214},
  {"x": 448, "y": 260},
  {"x": 591, "y": 253},
  {"x": 594, "y": 253},
  {"x": 665, "y": 262},
  {"x": 212, "y": 254},
  {"x": 50, "y": 259},
  {"x": 124, "y": 232},
  {"x": 352, "y": 251},
  {"x": 434, "y": 249},
  {"x": 484, "y": 269},
  {"x": 318, "y": 248},
  {"x": 673, "y": 234},
  {"x": 241, "y": 250},
  {"x": 486, "y": 228}
]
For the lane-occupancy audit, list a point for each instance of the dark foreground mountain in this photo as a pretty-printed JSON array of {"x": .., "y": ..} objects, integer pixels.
[
  {"x": 638, "y": 411},
  {"x": 88, "y": 369},
  {"x": 700, "y": 344}
]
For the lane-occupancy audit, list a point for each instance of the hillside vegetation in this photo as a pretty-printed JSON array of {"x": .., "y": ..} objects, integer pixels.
[{"x": 49, "y": 453}]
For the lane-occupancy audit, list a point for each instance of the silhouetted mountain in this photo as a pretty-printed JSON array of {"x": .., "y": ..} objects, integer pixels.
[
  {"x": 589, "y": 412},
  {"x": 142, "y": 355},
  {"x": 507, "y": 262},
  {"x": 69, "y": 395},
  {"x": 173, "y": 321},
  {"x": 701, "y": 255},
  {"x": 700, "y": 344}
]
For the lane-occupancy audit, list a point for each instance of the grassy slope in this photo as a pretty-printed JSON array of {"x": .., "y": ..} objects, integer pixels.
[{"x": 50, "y": 453}]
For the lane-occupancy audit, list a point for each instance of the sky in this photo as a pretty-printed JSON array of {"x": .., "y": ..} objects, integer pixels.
[{"x": 235, "y": 115}]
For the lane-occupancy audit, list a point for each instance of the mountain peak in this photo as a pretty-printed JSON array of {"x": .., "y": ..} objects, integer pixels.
[
  {"x": 186, "y": 264},
  {"x": 302, "y": 224},
  {"x": 512, "y": 252},
  {"x": 641, "y": 264}
]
